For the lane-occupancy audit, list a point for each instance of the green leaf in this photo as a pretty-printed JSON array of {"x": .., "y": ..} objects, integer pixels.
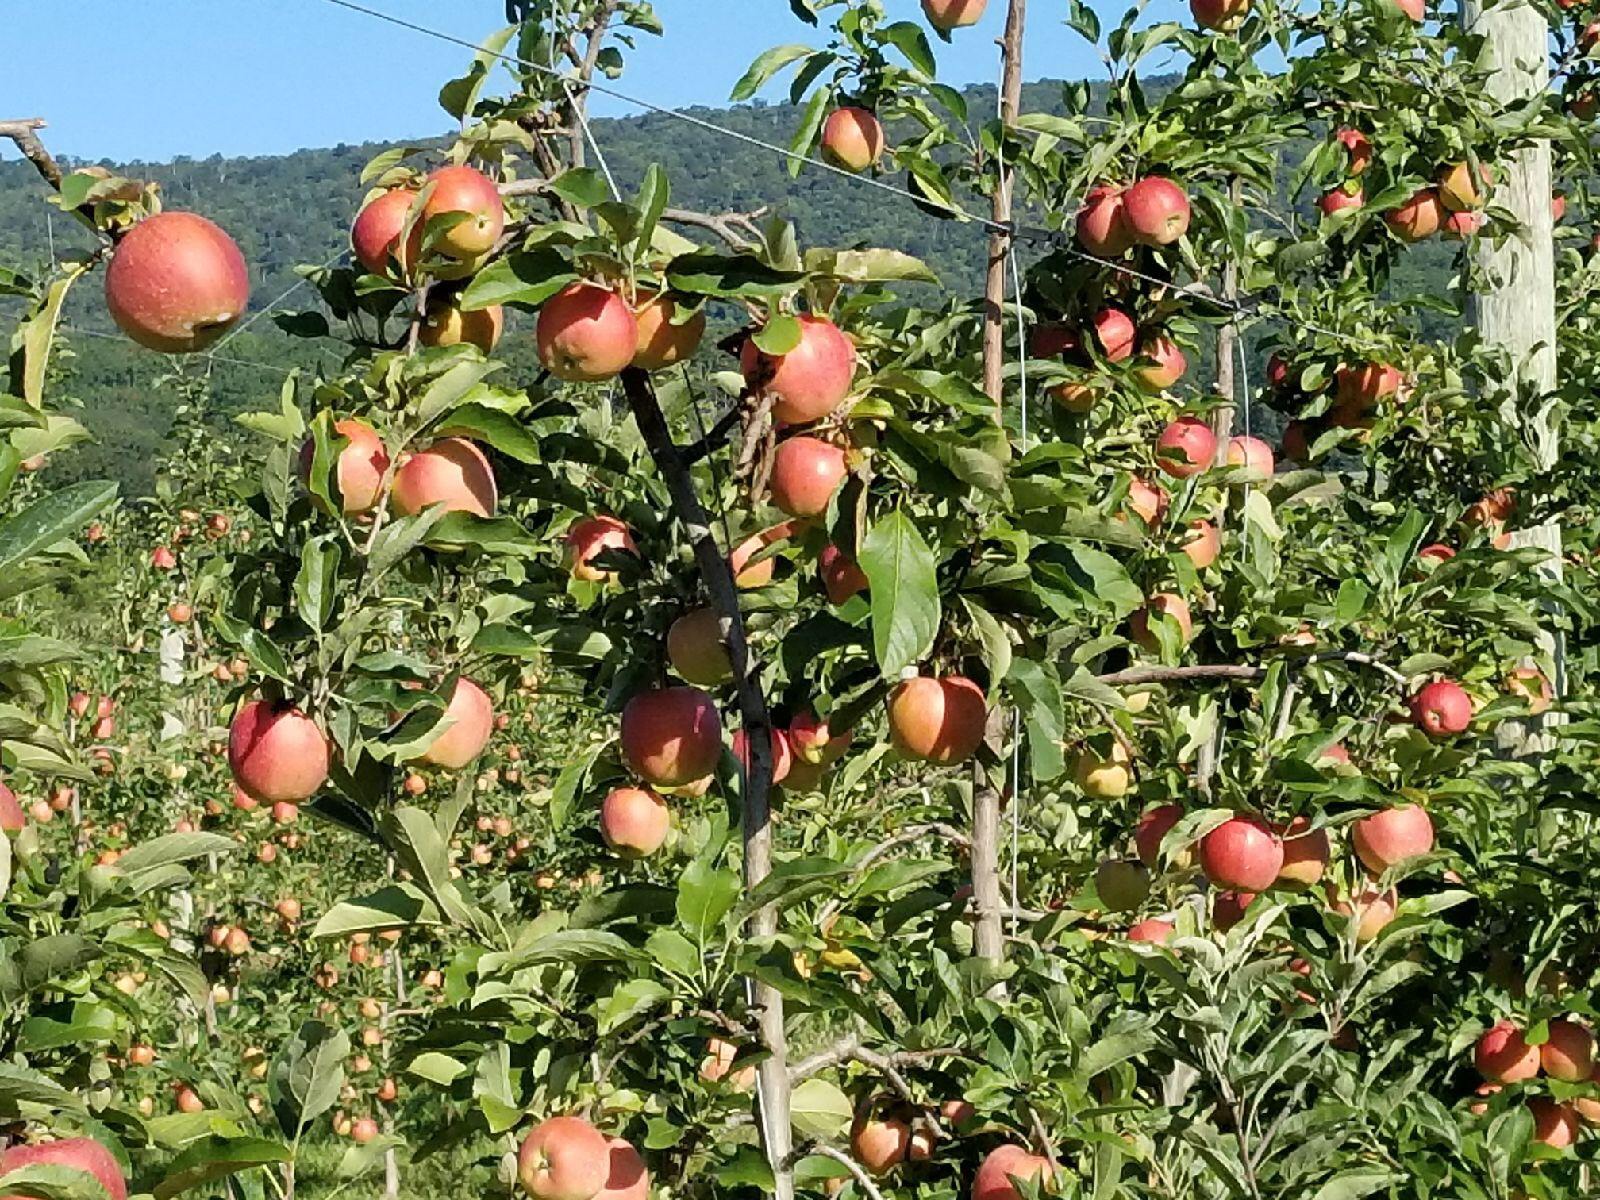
[
  {"x": 316, "y": 583},
  {"x": 706, "y": 895},
  {"x": 22, "y": 1086},
  {"x": 869, "y": 266},
  {"x": 583, "y": 186},
  {"x": 398, "y": 906},
  {"x": 908, "y": 38},
  {"x": 1039, "y": 690},
  {"x": 460, "y": 96},
  {"x": 172, "y": 848},
  {"x": 53, "y": 1181},
  {"x": 904, "y": 592},
  {"x": 673, "y": 952},
  {"x": 570, "y": 947},
  {"x": 779, "y": 336},
  {"x": 706, "y": 273},
  {"x": 527, "y": 277},
  {"x": 38, "y": 336},
  {"x": 629, "y": 1000},
  {"x": 1355, "y": 1183},
  {"x": 820, "y": 1109},
  {"x": 217, "y": 1157},
  {"x": 451, "y": 388},
  {"x": 49, "y": 520},
  {"x": 766, "y": 65},
  {"x": 306, "y": 1076}
]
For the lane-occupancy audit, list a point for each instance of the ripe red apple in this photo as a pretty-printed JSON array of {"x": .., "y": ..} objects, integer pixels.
[
  {"x": 1224, "y": 16},
  {"x": 1415, "y": 9},
  {"x": 852, "y": 138},
  {"x": 1102, "y": 225},
  {"x": 276, "y": 753},
  {"x": 1121, "y": 886},
  {"x": 1242, "y": 853},
  {"x": 841, "y": 577},
  {"x": 284, "y": 812},
  {"x": 1589, "y": 38},
  {"x": 945, "y": 15},
  {"x": 1186, "y": 447},
  {"x": 590, "y": 537},
  {"x": 660, "y": 342},
  {"x": 1295, "y": 444},
  {"x": 452, "y": 472},
  {"x": 176, "y": 283},
  {"x": 1554, "y": 1124},
  {"x": 363, "y": 1130},
  {"x": 564, "y": 1158},
  {"x": 375, "y": 236},
  {"x": 1363, "y": 385},
  {"x": 1148, "y": 500},
  {"x": 12, "y": 817},
  {"x": 1252, "y": 459},
  {"x": 1341, "y": 199},
  {"x": 671, "y": 736},
  {"x": 470, "y": 714},
  {"x": 1441, "y": 708},
  {"x": 808, "y": 382},
  {"x": 1418, "y": 218},
  {"x": 1460, "y": 226},
  {"x": 78, "y": 1153},
  {"x": 1161, "y": 363},
  {"x": 813, "y": 740},
  {"x": 448, "y": 325},
  {"x": 1154, "y": 825},
  {"x": 1228, "y": 908},
  {"x": 1436, "y": 552},
  {"x": 180, "y": 613},
  {"x": 634, "y": 821},
  {"x": 1156, "y": 209},
  {"x": 880, "y": 1144},
  {"x": 1306, "y": 852},
  {"x": 1162, "y": 604},
  {"x": 782, "y": 754},
  {"x": 288, "y": 908},
  {"x": 1358, "y": 148},
  {"x": 626, "y": 1178},
  {"x": 696, "y": 650},
  {"x": 993, "y": 1180},
  {"x": 806, "y": 471},
  {"x": 360, "y": 466},
  {"x": 1568, "y": 1052},
  {"x": 937, "y": 720},
  {"x": 1502, "y": 1056},
  {"x": 1114, "y": 333},
  {"x": 1154, "y": 932},
  {"x": 467, "y": 190},
  {"x": 586, "y": 333},
  {"x": 1392, "y": 836}
]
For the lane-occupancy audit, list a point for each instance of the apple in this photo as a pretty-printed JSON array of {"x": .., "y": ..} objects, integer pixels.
[
  {"x": 782, "y": 754},
  {"x": 1457, "y": 189},
  {"x": 188, "y": 1100},
  {"x": 1162, "y": 604},
  {"x": 1161, "y": 363},
  {"x": 841, "y": 577},
  {"x": 1102, "y": 225},
  {"x": 1074, "y": 396},
  {"x": 661, "y": 343},
  {"x": 937, "y": 720},
  {"x": 448, "y": 325},
  {"x": 564, "y": 1158},
  {"x": 288, "y": 909},
  {"x": 1148, "y": 500},
  {"x": 1392, "y": 836},
  {"x": 1558, "y": 207},
  {"x": 176, "y": 283},
  {"x": 468, "y": 724},
  {"x": 363, "y": 1130},
  {"x": 1306, "y": 852},
  {"x": 12, "y": 816},
  {"x": 452, "y": 472},
  {"x": 1154, "y": 932},
  {"x": 626, "y": 1176},
  {"x": 1418, "y": 218},
  {"x": 1186, "y": 447},
  {"x": 808, "y": 382},
  {"x": 1156, "y": 209},
  {"x": 1121, "y": 886},
  {"x": 359, "y": 469},
  {"x": 1568, "y": 1052},
  {"x": 671, "y": 736},
  {"x": 880, "y": 1143},
  {"x": 1224, "y": 16},
  {"x": 1415, "y": 9},
  {"x": 1441, "y": 708},
  {"x": 237, "y": 943},
  {"x": 1373, "y": 910},
  {"x": 813, "y": 740},
  {"x": 466, "y": 190},
  {"x": 634, "y": 821},
  {"x": 77, "y": 1153},
  {"x": 1252, "y": 459},
  {"x": 1341, "y": 199},
  {"x": 996, "y": 1172},
  {"x": 591, "y": 537},
  {"x": 1459, "y": 226},
  {"x": 1242, "y": 853},
  {"x": 1554, "y": 1124},
  {"x": 375, "y": 236},
  {"x": 1154, "y": 825},
  {"x": 945, "y": 15},
  {"x": 1363, "y": 385},
  {"x": 1358, "y": 149},
  {"x": 276, "y": 752},
  {"x": 1103, "y": 778},
  {"x": 806, "y": 471},
  {"x": 586, "y": 333},
  {"x": 1114, "y": 333},
  {"x": 718, "y": 1064},
  {"x": 141, "y": 1056},
  {"x": 696, "y": 650},
  {"x": 1203, "y": 544},
  {"x": 1228, "y": 908},
  {"x": 852, "y": 138}
]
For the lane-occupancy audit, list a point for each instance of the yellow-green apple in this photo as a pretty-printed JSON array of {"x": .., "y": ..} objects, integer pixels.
[
  {"x": 1121, "y": 886},
  {"x": 696, "y": 650},
  {"x": 448, "y": 325}
]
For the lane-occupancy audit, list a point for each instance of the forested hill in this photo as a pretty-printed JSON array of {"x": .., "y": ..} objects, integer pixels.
[{"x": 296, "y": 209}]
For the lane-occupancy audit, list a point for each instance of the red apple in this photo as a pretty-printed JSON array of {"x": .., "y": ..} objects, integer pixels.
[
  {"x": 471, "y": 723},
  {"x": 841, "y": 577},
  {"x": 1554, "y": 1124},
  {"x": 1161, "y": 363},
  {"x": 852, "y": 138},
  {"x": 880, "y": 1144},
  {"x": 1392, "y": 836},
  {"x": 1457, "y": 189},
  {"x": 1186, "y": 447},
  {"x": 1162, "y": 604},
  {"x": 806, "y": 471},
  {"x": 12, "y": 817},
  {"x": 1148, "y": 500},
  {"x": 589, "y": 538},
  {"x": 1568, "y": 1052},
  {"x": 627, "y": 1178},
  {"x": 1502, "y": 1056},
  {"x": 1418, "y": 218},
  {"x": 1242, "y": 853},
  {"x": 937, "y": 720},
  {"x": 1224, "y": 16},
  {"x": 375, "y": 236},
  {"x": 1363, "y": 385},
  {"x": 1252, "y": 459},
  {"x": 1341, "y": 199},
  {"x": 564, "y": 1158},
  {"x": 466, "y": 190},
  {"x": 1441, "y": 708},
  {"x": 945, "y": 15},
  {"x": 1154, "y": 825},
  {"x": 661, "y": 343},
  {"x": 1153, "y": 932},
  {"x": 808, "y": 382},
  {"x": 176, "y": 283},
  {"x": 1114, "y": 333},
  {"x": 634, "y": 821},
  {"x": 586, "y": 333},
  {"x": 1306, "y": 851},
  {"x": 78, "y": 1153},
  {"x": 782, "y": 754},
  {"x": 1358, "y": 148},
  {"x": 276, "y": 753},
  {"x": 452, "y": 472},
  {"x": 671, "y": 736},
  {"x": 1203, "y": 544},
  {"x": 1157, "y": 211},
  {"x": 995, "y": 1174},
  {"x": 360, "y": 467},
  {"x": 1463, "y": 225},
  {"x": 1102, "y": 226}
]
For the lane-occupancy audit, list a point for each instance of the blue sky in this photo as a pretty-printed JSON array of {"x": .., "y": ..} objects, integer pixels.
[{"x": 158, "y": 78}]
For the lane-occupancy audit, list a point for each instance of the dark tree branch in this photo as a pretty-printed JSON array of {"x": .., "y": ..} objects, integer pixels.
[
  {"x": 714, "y": 437},
  {"x": 24, "y": 133}
]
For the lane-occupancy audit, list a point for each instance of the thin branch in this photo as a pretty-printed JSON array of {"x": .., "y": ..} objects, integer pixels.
[
  {"x": 863, "y": 1180},
  {"x": 727, "y": 226},
  {"x": 714, "y": 437},
  {"x": 24, "y": 133},
  {"x": 1243, "y": 671}
]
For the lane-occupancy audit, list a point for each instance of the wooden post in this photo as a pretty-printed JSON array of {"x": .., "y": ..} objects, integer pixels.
[
  {"x": 988, "y": 936},
  {"x": 1516, "y": 313}
]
